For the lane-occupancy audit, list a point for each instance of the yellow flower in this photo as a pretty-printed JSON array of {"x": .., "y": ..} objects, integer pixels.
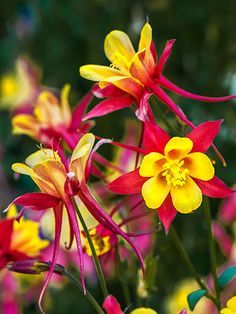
[
  {"x": 231, "y": 307},
  {"x": 178, "y": 300},
  {"x": 143, "y": 310},
  {"x": 20, "y": 87},
  {"x": 129, "y": 70},
  {"x": 49, "y": 113},
  {"x": 25, "y": 237},
  {"x": 174, "y": 172},
  {"x": 101, "y": 244}
]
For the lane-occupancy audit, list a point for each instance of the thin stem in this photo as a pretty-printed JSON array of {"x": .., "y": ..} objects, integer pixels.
[
  {"x": 94, "y": 254},
  {"x": 212, "y": 249},
  {"x": 123, "y": 281},
  {"x": 88, "y": 294},
  {"x": 190, "y": 265},
  {"x": 186, "y": 258}
]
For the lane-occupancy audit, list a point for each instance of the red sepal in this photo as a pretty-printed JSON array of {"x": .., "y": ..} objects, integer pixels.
[
  {"x": 203, "y": 135},
  {"x": 154, "y": 138},
  {"x": 214, "y": 188},
  {"x": 129, "y": 183},
  {"x": 167, "y": 213}
]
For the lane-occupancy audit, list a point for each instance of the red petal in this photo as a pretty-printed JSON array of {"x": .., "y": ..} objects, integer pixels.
[
  {"x": 170, "y": 104},
  {"x": 36, "y": 201},
  {"x": 224, "y": 240},
  {"x": 203, "y": 135},
  {"x": 227, "y": 213},
  {"x": 6, "y": 229},
  {"x": 109, "y": 105},
  {"x": 214, "y": 188},
  {"x": 178, "y": 90},
  {"x": 109, "y": 91},
  {"x": 155, "y": 138},
  {"x": 79, "y": 110},
  {"x": 129, "y": 183},
  {"x": 167, "y": 213},
  {"x": 58, "y": 223},
  {"x": 142, "y": 112},
  {"x": 164, "y": 57},
  {"x": 111, "y": 305}
]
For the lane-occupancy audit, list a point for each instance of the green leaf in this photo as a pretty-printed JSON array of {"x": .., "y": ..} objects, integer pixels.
[
  {"x": 226, "y": 276},
  {"x": 194, "y": 297}
]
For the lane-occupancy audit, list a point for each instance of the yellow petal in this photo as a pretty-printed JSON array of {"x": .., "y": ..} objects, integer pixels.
[
  {"x": 155, "y": 191},
  {"x": 178, "y": 147},
  {"x": 81, "y": 154},
  {"x": 66, "y": 111},
  {"x": 25, "y": 124},
  {"x": 151, "y": 164},
  {"x": 118, "y": 48},
  {"x": 145, "y": 37},
  {"x": 227, "y": 311},
  {"x": 12, "y": 211},
  {"x": 41, "y": 156},
  {"x": 143, "y": 310},
  {"x": 127, "y": 84},
  {"x": 187, "y": 197},
  {"x": 231, "y": 304},
  {"x": 22, "y": 169},
  {"x": 52, "y": 173},
  {"x": 199, "y": 166},
  {"x": 98, "y": 73}
]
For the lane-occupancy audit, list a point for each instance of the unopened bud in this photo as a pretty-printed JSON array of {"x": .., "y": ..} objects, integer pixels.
[{"x": 33, "y": 267}]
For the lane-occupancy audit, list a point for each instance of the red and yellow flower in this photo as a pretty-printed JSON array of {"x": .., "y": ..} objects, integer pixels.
[
  {"x": 174, "y": 172},
  {"x": 52, "y": 118},
  {"x": 230, "y": 307},
  {"x": 134, "y": 76},
  {"x": 19, "y": 240},
  {"x": 59, "y": 182}
]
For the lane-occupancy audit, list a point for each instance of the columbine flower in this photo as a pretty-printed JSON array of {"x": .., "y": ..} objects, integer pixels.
[
  {"x": 175, "y": 172},
  {"x": 58, "y": 183},
  {"x": 19, "y": 90},
  {"x": 134, "y": 76},
  {"x": 112, "y": 306},
  {"x": 52, "y": 118},
  {"x": 19, "y": 241},
  {"x": 230, "y": 307}
]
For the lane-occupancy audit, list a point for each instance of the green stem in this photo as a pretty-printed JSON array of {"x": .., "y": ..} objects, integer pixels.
[
  {"x": 190, "y": 265},
  {"x": 88, "y": 294},
  {"x": 212, "y": 249},
  {"x": 94, "y": 254},
  {"x": 186, "y": 258},
  {"x": 123, "y": 281}
]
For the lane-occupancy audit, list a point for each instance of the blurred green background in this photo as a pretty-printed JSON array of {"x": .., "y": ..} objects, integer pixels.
[{"x": 60, "y": 36}]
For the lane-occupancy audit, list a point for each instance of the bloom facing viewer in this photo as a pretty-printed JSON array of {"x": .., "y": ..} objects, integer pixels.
[
  {"x": 175, "y": 172},
  {"x": 134, "y": 76}
]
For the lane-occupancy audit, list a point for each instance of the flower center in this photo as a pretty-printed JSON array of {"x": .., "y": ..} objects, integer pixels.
[
  {"x": 175, "y": 174},
  {"x": 102, "y": 245},
  {"x": 120, "y": 62}
]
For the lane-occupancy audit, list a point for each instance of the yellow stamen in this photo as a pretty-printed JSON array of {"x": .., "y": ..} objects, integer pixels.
[
  {"x": 175, "y": 173},
  {"x": 102, "y": 245}
]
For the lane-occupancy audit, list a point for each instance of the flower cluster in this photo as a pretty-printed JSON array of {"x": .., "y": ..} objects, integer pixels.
[{"x": 76, "y": 216}]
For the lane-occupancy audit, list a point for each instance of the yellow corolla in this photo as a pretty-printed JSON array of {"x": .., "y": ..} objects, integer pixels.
[
  {"x": 178, "y": 299},
  {"x": 25, "y": 237},
  {"x": 230, "y": 307},
  {"x": 143, "y": 310},
  {"x": 129, "y": 70},
  {"x": 173, "y": 173},
  {"x": 48, "y": 172},
  {"x": 19, "y": 87},
  {"x": 49, "y": 113}
]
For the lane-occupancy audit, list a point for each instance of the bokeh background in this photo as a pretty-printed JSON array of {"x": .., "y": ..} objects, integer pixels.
[{"x": 60, "y": 36}]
